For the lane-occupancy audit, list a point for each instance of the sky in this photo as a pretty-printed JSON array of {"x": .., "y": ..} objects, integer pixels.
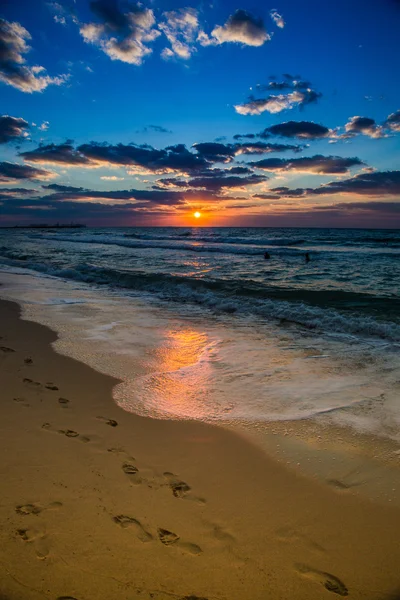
[{"x": 115, "y": 113}]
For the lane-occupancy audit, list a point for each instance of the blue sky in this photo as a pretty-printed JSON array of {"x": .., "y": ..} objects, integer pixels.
[{"x": 167, "y": 74}]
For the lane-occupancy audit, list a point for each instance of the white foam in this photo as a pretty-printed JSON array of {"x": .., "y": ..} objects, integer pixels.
[{"x": 212, "y": 369}]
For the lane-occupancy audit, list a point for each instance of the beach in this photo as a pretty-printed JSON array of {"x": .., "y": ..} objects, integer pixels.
[{"x": 100, "y": 503}]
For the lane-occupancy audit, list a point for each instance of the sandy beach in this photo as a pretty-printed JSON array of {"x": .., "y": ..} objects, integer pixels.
[{"x": 98, "y": 503}]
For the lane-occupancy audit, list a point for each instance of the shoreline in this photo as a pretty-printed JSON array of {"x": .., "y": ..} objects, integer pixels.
[{"x": 162, "y": 509}]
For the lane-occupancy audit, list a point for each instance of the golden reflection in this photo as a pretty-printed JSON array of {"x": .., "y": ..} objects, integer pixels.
[{"x": 183, "y": 372}]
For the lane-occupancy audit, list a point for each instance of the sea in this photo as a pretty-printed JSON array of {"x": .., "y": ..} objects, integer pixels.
[{"x": 197, "y": 324}]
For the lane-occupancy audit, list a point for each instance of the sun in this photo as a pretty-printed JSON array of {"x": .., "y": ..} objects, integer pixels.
[{"x": 197, "y": 215}]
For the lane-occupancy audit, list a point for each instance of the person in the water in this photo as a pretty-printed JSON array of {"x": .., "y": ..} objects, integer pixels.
[
  {"x": 267, "y": 255},
  {"x": 307, "y": 257}
]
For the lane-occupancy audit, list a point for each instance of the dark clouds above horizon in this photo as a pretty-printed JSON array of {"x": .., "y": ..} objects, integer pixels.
[{"x": 83, "y": 83}]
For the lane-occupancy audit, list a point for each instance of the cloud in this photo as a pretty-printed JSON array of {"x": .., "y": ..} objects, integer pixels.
[
  {"x": 299, "y": 93},
  {"x": 156, "y": 128},
  {"x": 377, "y": 183},
  {"x": 242, "y": 28},
  {"x": 277, "y": 18},
  {"x": 320, "y": 165},
  {"x": 299, "y": 129},
  {"x": 12, "y": 171},
  {"x": 215, "y": 180},
  {"x": 15, "y": 192},
  {"x": 374, "y": 207},
  {"x": 175, "y": 158},
  {"x": 121, "y": 36},
  {"x": 265, "y": 148},
  {"x": 12, "y": 128},
  {"x": 56, "y": 154},
  {"x": 215, "y": 151},
  {"x": 180, "y": 27},
  {"x": 393, "y": 121},
  {"x": 112, "y": 178},
  {"x": 13, "y": 70},
  {"x": 275, "y": 104},
  {"x": 365, "y": 126}
]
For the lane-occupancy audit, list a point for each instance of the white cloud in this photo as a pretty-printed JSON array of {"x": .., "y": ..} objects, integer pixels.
[
  {"x": 13, "y": 70},
  {"x": 180, "y": 27},
  {"x": 277, "y": 18}
]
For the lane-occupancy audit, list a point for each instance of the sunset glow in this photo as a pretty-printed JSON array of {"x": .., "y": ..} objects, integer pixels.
[{"x": 269, "y": 149}]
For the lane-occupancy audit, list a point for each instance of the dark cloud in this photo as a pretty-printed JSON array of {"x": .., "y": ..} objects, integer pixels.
[
  {"x": 378, "y": 183},
  {"x": 213, "y": 180},
  {"x": 156, "y": 128},
  {"x": 12, "y": 171},
  {"x": 176, "y": 158},
  {"x": 298, "y": 129},
  {"x": 365, "y": 126},
  {"x": 266, "y": 197},
  {"x": 13, "y": 68},
  {"x": 6, "y": 193},
  {"x": 393, "y": 120},
  {"x": 245, "y": 136},
  {"x": 64, "y": 154},
  {"x": 55, "y": 187},
  {"x": 374, "y": 207},
  {"x": 215, "y": 151},
  {"x": 93, "y": 154},
  {"x": 12, "y": 128},
  {"x": 243, "y": 28},
  {"x": 318, "y": 164},
  {"x": 121, "y": 36}
]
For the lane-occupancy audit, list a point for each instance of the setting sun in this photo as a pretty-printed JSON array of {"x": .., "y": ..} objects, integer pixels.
[{"x": 197, "y": 215}]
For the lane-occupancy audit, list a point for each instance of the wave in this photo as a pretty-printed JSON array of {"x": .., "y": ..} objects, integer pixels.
[
  {"x": 196, "y": 246},
  {"x": 321, "y": 310}
]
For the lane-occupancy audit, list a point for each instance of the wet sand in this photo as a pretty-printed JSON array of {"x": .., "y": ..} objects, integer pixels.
[{"x": 100, "y": 504}]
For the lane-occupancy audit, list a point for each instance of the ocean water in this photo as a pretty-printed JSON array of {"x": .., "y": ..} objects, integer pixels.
[{"x": 198, "y": 325}]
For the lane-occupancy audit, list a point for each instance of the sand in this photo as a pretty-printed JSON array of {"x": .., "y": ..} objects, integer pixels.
[{"x": 100, "y": 504}]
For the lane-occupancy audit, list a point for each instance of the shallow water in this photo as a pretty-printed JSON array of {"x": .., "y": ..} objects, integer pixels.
[{"x": 198, "y": 363}]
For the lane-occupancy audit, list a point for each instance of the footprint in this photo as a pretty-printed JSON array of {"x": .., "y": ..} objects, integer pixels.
[
  {"x": 179, "y": 488},
  {"x": 130, "y": 470},
  {"x": 125, "y": 521},
  {"x": 192, "y": 598},
  {"x": 67, "y": 432},
  {"x": 167, "y": 537},
  {"x": 28, "y": 360},
  {"x": 6, "y": 350},
  {"x": 37, "y": 538},
  {"x": 63, "y": 401},
  {"x": 330, "y": 582},
  {"x": 290, "y": 535},
  {"x": 221, "y": 534},
  {"x": 28, "y": 509},
  {"x": 36, "y": 509},
  {"x": 22, "y": 401},
  {"x": 51, "y": 386},
  {"x": 31, "y": 382},
  {"x": 341, "y": 485},
  {"x": 110, "y": 422},
  {"x": 189, "y": 547}
]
